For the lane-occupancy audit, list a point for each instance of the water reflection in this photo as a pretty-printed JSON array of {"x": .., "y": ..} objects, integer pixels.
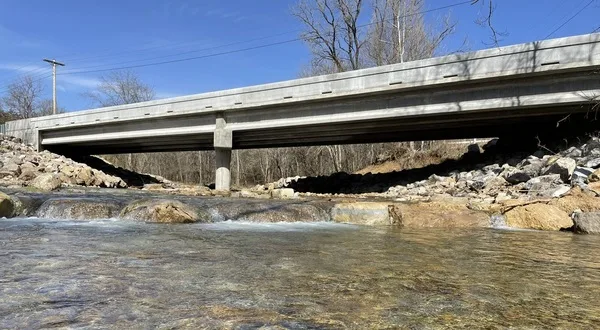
[{"x": 295, "y": 276}]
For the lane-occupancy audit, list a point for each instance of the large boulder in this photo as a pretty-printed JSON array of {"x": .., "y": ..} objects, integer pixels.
[
  {"x": 362, "y": 213},
  {"x": 163, "y": 211},
  {"x": 46, "y": 182},
  {"x": 561, "y": 166},
  {"x": 586, "y": 223},
  {"x": 437, "y": 214},
  {"x": 578, "y": 200},
  {"x": 538, "y": 216}
]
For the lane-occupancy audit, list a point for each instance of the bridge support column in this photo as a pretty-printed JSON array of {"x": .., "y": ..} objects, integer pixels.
[
  {"x": 223, "y": 177},
  {"x": 223, "y": 142}
]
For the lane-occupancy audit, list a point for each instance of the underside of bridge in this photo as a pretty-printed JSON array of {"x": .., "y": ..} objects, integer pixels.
[{"x": 543, "y": 122}]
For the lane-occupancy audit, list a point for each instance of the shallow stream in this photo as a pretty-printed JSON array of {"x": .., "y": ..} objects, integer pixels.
[{"x": 115, "y": 274}]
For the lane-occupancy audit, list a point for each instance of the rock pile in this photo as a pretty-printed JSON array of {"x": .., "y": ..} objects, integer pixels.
[
  {"x": 532, "y": 177},
  {"x": 21, "y": 165}
]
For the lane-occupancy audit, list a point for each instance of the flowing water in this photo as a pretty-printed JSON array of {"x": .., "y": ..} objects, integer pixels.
[{"x": 111, "y": 274}]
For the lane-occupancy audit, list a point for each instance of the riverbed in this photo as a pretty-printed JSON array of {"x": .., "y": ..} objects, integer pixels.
[{"x": 238, "y": 275}]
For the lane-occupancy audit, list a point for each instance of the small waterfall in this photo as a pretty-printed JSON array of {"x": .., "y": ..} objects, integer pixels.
[
  {"x": 498, "y": 221},
  {"x": 80, "y": 208}
]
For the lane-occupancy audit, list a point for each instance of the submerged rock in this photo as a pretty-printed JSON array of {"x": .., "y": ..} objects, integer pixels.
[
  {"x": 163, "y": 211},
  {"x": 271, "y": 211},
  {"x": 586, "y": 223},
  {"x": 79, "y": 208}
]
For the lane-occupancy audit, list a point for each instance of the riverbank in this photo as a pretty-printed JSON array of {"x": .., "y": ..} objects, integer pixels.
[{"x": 494, "y": 188}]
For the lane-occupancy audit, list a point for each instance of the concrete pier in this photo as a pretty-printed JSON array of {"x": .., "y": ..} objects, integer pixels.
[
  {"x": 223, "y": 142},
  {"x": 223, "y": 177}
]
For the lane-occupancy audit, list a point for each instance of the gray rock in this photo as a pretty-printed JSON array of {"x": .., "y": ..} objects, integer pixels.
[
  {"x": 572, "y": 152},
  {"x": 28, "y": 175},
  {"x": 586, "y": 223},
  {"x": 436, "y": 178},
  {"x": 516, "y": 176},
  {"x": 283, "y": 193},
  {"x": 502, "y": 197},
  {"x": 581, "y": 174},
  {"x": 46, "y": 182},
  {"x": 544, "y": 186},
  {"x": 592, "y": 145},
  {"x": 12, "y": 168},
  {"x": 593, "y": 163},
  {"x": 493, "y": 168},
  {"x": 563, "y": 167},
  {"x": 561, "y": 191}
]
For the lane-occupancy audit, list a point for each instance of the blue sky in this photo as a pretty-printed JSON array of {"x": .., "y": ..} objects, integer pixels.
[{"x": 91, "y": 35}]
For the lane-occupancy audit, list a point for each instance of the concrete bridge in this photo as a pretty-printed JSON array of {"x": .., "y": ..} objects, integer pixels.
[{"x": 494, "y": 92}]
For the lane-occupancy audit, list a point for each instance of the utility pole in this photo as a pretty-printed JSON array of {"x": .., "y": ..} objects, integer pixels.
[
  {"x": 54, "y": 64},
  {"x": 401, "y": 32}
]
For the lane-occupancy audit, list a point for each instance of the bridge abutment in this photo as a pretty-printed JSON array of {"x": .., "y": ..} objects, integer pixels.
[{"x": 223, "y": 142}]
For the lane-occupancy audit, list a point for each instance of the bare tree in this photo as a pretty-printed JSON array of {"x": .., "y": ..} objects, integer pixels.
[
  {"x": 398, "y": 32},
  {"x": 332, "y": 33},
  {"x": 485, "y": 20},
  {"x": 22, "y": 99},
  {"x": 46, "y": 108},
  {"x": 120, "y": 87}
]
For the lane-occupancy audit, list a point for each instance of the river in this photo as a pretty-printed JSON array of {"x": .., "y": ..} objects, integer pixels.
[{"x": 112, "y": 274}]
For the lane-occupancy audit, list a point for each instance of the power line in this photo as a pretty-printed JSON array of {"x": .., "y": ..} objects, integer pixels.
[
  {"x": 81, "y": 70},
  {"x": 596, "y": 30},
  {"x": 187, "y": 52},
  {"x": 565, "y": 12},
  {"x": 570, "y": 19},
  {"x": 186, "y": 59}
]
